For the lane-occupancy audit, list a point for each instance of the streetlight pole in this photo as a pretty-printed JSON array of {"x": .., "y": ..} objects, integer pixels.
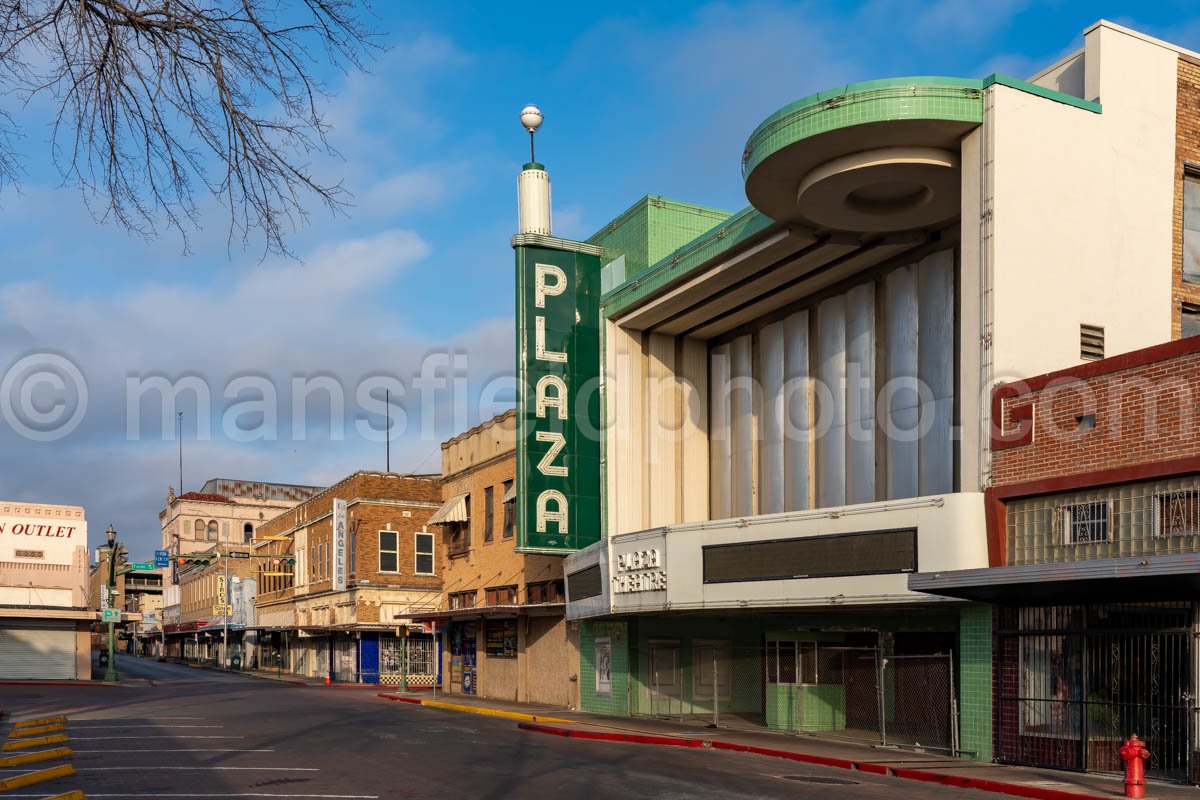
[{"x": 110, "y": 673}]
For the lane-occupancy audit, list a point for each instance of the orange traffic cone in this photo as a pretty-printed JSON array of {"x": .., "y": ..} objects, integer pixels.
[{"x": 328, "y": 679}]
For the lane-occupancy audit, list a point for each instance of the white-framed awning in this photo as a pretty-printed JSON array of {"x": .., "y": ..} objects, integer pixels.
[
  {"x": 511, "y": 494},
  {"x": 454, "y": 510}
]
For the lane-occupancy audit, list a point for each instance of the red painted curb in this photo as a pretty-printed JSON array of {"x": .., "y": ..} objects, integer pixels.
[
  {"x": 410, "y": 700},
  {"x": 872, "y": 768},
  {"x": 604, "y": 736},
  {"x": 998, "y": 787},
  {"x": 828, "y": 761}
]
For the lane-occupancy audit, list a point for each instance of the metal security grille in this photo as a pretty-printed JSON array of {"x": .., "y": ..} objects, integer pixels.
[
  {"x": 1086, "y": 522},
  {"x": 1075, "y": 681}
]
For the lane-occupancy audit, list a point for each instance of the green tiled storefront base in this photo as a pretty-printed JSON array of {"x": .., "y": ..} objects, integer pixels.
[
  {"x": 784, "y": 707},
  {"x": 615, "y": 700},
  {"x": 811, "y": 709},
  {"x": 975, "y": 680}
]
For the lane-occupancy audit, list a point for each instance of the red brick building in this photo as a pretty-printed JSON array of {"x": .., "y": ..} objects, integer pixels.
[
  {"x": 341, "y": 576},
  {"x": 1094, "y": 545}
]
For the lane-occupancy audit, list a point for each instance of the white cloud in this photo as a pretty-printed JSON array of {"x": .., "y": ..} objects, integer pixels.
[{"x": 326, "y": 316}]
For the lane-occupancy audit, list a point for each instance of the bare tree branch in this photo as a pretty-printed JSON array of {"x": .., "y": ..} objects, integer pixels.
[{"x": 156, "y": 99}]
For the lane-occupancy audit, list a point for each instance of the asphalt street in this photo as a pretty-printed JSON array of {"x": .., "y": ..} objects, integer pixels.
[{"x": 187, "y": 733}]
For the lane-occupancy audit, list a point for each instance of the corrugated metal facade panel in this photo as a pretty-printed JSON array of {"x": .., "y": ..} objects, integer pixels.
[{"x": 29, "y": 651}]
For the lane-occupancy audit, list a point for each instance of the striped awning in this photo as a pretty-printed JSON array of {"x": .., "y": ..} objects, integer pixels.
[
  {"x": 511, "y": 494},
  {"x": 454, "y": 510}
]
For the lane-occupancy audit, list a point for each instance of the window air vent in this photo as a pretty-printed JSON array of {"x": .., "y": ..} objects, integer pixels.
[{"x": 1091, "y": 342}]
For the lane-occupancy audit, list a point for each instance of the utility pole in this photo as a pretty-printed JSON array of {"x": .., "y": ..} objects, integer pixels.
[
  {"x": 179, "y": 436},
  {"x": 225, "y": 609}
]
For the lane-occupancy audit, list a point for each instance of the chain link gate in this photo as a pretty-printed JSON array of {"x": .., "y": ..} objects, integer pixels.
[{"x": 804, "y": 687}]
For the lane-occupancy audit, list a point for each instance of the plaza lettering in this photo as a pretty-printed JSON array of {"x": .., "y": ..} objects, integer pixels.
[
  {"x": 29, "y": 529},
  {"x": 551, "y": 393}
]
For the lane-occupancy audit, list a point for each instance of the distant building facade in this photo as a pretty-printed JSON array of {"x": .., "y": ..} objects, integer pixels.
[
  {"x": 45, "y": 608},
  {"x": 224, "y": 511}
]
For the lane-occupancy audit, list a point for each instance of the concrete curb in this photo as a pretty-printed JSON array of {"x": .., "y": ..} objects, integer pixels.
[
  {"x": 484, "y": 712},
  {"x": 927, "y": 776},
  {"x": 77, "y": 684}
]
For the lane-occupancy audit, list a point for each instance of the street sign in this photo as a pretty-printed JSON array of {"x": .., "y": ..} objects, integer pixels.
[
  {"x": 239, "y": 554},
  {"x": 143, "y": 566},
  {"x": 105, "y": 598},
  {"x": 111, "y": 615},
  {"x": 162, "y": 558}
]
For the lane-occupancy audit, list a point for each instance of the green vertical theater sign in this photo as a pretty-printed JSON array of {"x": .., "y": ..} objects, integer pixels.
[{"x": 558, "y": 394}]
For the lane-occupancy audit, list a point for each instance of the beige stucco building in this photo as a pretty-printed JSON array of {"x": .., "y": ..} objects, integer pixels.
[
  {"x": 44, "y": 604},
  {"x": 504, "y": 635},
  {"x": 224, "y": 511}
]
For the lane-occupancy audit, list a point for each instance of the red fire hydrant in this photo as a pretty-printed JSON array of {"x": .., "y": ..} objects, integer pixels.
[{"x": 1134, "y": 753}]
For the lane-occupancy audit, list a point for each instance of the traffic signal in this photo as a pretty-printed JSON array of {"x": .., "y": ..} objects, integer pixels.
[{"x": 194, "y": 558}]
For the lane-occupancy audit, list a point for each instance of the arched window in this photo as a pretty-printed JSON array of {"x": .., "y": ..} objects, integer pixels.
[
  {"x": 199, "y": 529},
  {"x": 248, "y": 532},
  {"x": 212, "y": 530}
]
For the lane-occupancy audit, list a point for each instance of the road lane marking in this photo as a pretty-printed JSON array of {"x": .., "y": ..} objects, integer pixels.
[
  {"x": 33, "y": 723},
  {"x": 108, "y": 738},
  {"x": 135, "y": 727},
  {"x": 38, "y": 755},
  {"x": 30, "y": 778},
  {"x": 242, "y": 794},
  {"x": 203, "y": 750},
  {"x": 231, "y": 769}
]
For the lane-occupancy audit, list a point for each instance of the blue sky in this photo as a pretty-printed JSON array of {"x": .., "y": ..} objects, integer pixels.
[{"x": 639, "y": 98}]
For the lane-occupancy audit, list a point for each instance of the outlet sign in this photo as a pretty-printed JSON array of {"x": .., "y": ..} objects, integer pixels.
[{"x": 558, "y": 396}]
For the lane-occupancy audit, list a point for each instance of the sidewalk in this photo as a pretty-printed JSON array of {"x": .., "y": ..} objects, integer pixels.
[{"x": 1043, "y": 784}]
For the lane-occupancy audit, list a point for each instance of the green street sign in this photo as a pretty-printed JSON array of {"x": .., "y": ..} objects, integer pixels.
[
  {"x": 111, "y": 615},
  {"x": 558, "y": 397},
  {"x": 144, "y": 566}
]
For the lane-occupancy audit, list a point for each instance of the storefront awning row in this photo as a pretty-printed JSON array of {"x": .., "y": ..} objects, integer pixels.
[
  {"x": 454, "y": 510},
  {"x": 497, "y": 611},
  {"x": 1112, "y": 579}
]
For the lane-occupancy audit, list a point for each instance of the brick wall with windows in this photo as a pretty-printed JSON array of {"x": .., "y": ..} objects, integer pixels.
[
  {"x": 1185, "y": 296},
  {"x": 1064, "y": 442},
  {"x": 388, "y": 541}
]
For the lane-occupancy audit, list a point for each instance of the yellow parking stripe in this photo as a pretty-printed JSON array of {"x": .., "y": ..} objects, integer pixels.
[
  {"x": 30, "y": 778},
  {"x": 23, "y": 732},
  {"x": 75, "y": 795},
  {"x": 40, "y": 755},
  {"x": 25, "y": 744},
  {"x": 34, "y": 723}
]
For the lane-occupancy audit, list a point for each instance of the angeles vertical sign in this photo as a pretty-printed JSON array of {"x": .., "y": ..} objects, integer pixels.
[
  {"x": 558, "y": 397},
  {"x": 339, "y": 545}
]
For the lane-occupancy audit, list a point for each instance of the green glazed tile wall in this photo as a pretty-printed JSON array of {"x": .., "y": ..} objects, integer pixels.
[
  {"x": 617, "y": 703},
  {"x": 975, "y": 680}
]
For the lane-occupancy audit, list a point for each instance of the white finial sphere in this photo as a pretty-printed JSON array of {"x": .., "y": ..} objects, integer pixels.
[{"x": 531, "y": 118}]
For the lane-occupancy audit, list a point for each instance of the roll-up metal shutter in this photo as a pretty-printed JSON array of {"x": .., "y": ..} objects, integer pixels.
[{"x": 37, "y": 651}]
